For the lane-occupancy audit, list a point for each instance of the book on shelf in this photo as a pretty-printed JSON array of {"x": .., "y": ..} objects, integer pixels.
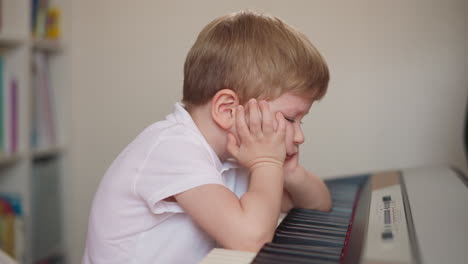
[
  {"x": 2, "y": 99},
  {"x": 46, "y": 210},
  {"x": 12, "y": 226},
  {"x": 43, "y": 119},
  {"x": 1, "y": 15},
  {"x": 45, "y": 20},
  {"x": 8, "y": 110}
]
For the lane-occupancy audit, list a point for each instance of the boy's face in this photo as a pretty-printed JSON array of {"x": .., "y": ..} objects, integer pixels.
[{"x": 293, "y": 108}]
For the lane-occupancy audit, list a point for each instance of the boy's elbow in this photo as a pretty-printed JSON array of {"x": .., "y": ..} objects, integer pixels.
[
  {"x": 325, "y": 207},
  {"x": 252, "y": 240},
  {"x": 259, "y": 239},
  {"x": 326, "y": 204}
]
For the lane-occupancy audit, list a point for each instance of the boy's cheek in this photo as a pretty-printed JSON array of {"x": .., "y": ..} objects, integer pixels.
[{"x": 289, "y": 134}]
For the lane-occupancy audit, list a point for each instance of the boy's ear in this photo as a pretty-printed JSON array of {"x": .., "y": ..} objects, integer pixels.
[{"x": 222, "y": 106}]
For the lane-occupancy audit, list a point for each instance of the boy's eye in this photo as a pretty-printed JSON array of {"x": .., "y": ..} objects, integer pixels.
[{"x": 291, "y": 120}]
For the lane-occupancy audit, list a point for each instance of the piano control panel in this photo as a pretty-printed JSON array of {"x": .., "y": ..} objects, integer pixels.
[{"x": 387, "y": 238}]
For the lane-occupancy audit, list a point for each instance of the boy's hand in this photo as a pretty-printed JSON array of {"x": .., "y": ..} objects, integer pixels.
[
  {"x": 293, "y": 171},
  {"x": 305, "y": 189},
  {"x": 291, "y": 167},
  {"x": 260, "y": 143}
]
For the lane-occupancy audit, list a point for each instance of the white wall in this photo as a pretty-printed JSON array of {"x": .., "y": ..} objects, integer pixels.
[{"x": 396, "y": 98}]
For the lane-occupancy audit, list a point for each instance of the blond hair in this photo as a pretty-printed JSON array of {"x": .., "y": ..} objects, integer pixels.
[{"x": 256, "y": 56}]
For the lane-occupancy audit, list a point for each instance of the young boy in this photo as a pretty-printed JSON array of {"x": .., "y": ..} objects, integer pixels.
[{"x": 222, "y": 166}]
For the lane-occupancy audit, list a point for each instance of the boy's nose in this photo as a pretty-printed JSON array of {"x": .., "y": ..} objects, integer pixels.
[{"x": 298, "y": 136}]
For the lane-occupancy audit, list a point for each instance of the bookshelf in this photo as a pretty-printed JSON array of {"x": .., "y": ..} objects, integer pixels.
[{"x": 32, "y": 138}]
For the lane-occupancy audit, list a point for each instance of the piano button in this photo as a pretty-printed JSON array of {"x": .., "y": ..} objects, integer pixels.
[{"x": 387, "y": 235}]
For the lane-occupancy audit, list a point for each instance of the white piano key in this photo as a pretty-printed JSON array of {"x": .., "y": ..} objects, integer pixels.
[{"x": 227, "y": 256}]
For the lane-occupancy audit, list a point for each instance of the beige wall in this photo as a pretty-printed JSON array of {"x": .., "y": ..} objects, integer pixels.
[{"x": 396, "y": 99}]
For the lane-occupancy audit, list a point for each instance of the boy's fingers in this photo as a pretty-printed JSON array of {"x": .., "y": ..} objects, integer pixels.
[
  {"x": 267, "y": 122},
  {"x": 281, "y": 130},
  {"x": 241, "y": 126},
  {"x": 292, "y": 163},
  {"x": 232, "y": 145},
  {"x": 254, "y": 117}
]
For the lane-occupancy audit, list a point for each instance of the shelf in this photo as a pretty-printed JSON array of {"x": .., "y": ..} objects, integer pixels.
[
  {"x": 47, "y": 45},
  {"x": 9, "y": 159},
  {"x": 46, "y": 153},
  {"x": 34, "y": 74},
  {"x": 9, "y": 40}
]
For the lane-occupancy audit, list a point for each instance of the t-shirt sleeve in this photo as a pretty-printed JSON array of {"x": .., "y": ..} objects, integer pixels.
[{"x": 174, "y": 165}]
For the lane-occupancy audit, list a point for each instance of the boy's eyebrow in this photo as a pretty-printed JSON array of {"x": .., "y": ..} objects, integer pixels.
[{"x": 295, "y": 112}]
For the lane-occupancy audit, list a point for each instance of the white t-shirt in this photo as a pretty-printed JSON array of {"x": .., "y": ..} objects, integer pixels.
[{"x": 130, "y": 222}]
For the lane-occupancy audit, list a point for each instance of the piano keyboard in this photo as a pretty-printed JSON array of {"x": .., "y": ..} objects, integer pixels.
[
  {"x": 308, "y": 236},
  {"x": 392, "y": 217}
]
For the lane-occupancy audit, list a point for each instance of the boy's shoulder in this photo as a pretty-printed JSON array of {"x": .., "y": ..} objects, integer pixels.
[
  {"x": 177, "y": 129},
  {"x": 172, "y": 143},
  {"x": 177, "y": 125}
]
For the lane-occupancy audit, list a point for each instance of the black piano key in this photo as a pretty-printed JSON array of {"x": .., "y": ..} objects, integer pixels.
[
  {"x": 330, "y": 253},
  {"x": 314, "y": 212},
  {"x": 298, "y": 239},
  {"x": 342, "y": 209},
  {"x": 309, "y": 226},
  {"x": 329, "y": 250},
  {"x": 344, "y": 203},
  {"x": 268, "y": 258},
  {"x": 298, "y": 252},
  {"x": 321, "y": 217},
  {"x": 312, "y": 235},
  {"x": 343, "y": 190},
  {"x": 319, "y": 222},
  {"x": 309, "y": 230},
  {"x": 338, "y": 215}
]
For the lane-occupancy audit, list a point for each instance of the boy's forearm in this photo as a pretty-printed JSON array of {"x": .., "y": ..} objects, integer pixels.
[
  {"x": 261, "y": 204},
  {"x": 308, "y": 191}
]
